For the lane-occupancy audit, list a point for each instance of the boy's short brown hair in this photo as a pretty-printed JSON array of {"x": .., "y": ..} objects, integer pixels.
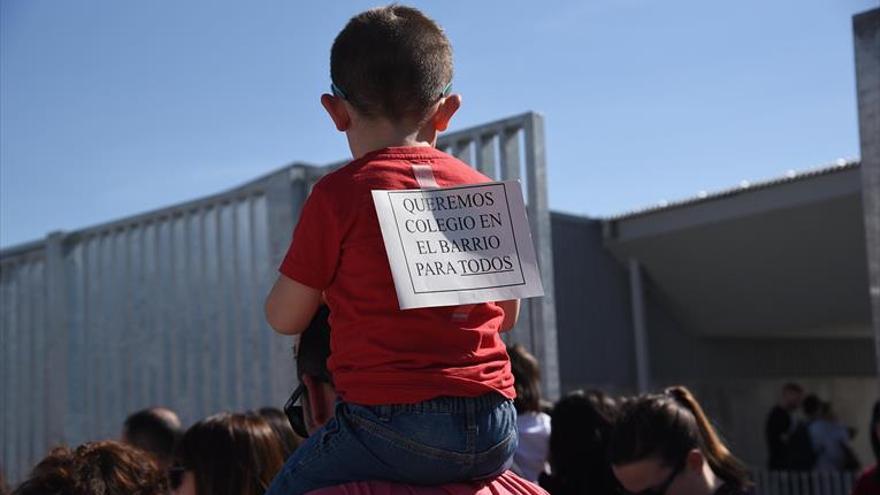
[{"x": 391, "y": 62}]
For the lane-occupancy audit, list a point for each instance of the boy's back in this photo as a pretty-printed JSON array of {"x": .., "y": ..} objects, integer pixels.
[
  {"x": 382, "y": 355},
  {"x": 426, "y": 393}
]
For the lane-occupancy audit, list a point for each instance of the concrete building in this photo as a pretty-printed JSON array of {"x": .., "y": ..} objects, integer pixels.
[{"x": 731, "y": 294}]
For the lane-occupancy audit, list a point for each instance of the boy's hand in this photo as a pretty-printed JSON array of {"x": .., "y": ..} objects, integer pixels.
[{"x": 291, "y": 305}]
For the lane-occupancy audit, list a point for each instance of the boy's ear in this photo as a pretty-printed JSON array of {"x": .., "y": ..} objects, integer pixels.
[
  {"x": 447, "y": 108},
  {"x": 335, "y": 107}
]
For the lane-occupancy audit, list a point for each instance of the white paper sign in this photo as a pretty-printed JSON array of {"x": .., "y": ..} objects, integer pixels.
[{"x": 458, "y": 245}]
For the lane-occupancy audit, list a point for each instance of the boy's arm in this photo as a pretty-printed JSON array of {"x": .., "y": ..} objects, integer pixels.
[
  {"x": 291, "y": 305},
  {"x": 511, "y": 313}
]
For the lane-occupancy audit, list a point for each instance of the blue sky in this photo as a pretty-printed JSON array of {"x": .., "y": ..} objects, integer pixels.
[{"x": 109, "y": 107}]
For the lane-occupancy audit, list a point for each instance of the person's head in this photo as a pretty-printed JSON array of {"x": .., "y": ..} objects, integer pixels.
[
  {"x": 812, "y": 405},
  {"x": 228, "y": 454},
  {"x": 527, "y": 379},
  {"x": 580, "y": 429},
  {"x": 390, "y": 70},
  {"x": 665, "y": 444},
  {"x": 792, "y": 394},
  {"x": 106, "y": 468},
  {"x": 279, "y": 423},
  {"x": 312, "y": 351},
  {"x": 155, "y": 430}
]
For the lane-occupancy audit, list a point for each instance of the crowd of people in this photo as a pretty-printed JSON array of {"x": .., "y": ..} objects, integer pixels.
[
  {"x": 593, "y": 443},
  {"x": 587, "y": 442},
  {"x": 226, "y": 453}
]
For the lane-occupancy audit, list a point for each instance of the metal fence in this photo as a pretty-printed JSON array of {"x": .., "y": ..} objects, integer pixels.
[
  {"x": 513, "y": 149},
  {"x": 804, "y": 482},
  {"x": 166, "y": 307},
  {"x": 162, "y": 308}
]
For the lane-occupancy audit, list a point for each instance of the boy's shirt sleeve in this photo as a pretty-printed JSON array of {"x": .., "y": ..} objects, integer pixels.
[{"x": 314, "y": 251}]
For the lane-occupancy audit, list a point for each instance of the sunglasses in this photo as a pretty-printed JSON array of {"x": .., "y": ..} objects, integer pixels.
[
  {"x": 294, "y": 412},
  {"x": 662, "y": 487}
]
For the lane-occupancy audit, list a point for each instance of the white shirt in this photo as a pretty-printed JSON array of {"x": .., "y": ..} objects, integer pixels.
[
  {"x": 530, "y": 458},
  {"x": 828, "y": 440}
]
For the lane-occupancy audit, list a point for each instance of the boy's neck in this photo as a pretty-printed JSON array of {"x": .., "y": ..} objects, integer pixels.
[{"x": 379, "y": 134}]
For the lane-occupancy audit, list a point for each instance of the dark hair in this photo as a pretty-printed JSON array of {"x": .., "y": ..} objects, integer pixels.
[
  {"x": 108, "y": 468},
  {"x": 281, "y": 425},
  {"x": 811, "y": 405},
  {"x": 527, "y": 379},
  {"x": 580, "y": 429},
  {"x": 314, "y": 348},
  {"x": 155, "y": 430},
  {"x": 231, "y": 454},
  {"x": 668, "y": 426},
  {"x": 391, "y": 62}
]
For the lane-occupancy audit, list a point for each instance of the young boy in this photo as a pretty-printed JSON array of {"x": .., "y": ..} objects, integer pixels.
[{"x": 425, "y": 394}]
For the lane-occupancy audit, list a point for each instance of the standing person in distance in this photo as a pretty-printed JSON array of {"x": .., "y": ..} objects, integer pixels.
[{"x": 779, "y": 426}]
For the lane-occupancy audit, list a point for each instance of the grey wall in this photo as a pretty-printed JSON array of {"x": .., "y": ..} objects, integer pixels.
[
  {"x": 736, "y": 380},
  {"x": 592, "y": 304},
  {"x": 596, "y": 338},
  {"x": 162, "y": 308},
  {"x": 866, "y": 40},
  {"x": 679, "y": 355}
]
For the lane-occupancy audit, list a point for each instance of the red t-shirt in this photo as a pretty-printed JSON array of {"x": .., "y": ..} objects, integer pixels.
[
  {"x": 506, "y": 483},
  {"x": 380, "y": 354}
]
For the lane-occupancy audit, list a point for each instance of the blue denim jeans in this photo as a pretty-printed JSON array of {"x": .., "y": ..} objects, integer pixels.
[{"x": 434, "y": 442}]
